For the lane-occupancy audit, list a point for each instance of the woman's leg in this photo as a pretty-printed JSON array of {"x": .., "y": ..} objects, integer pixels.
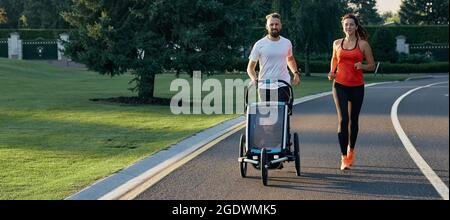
[
  {"x": 341, "y": 101},
  {"x": 356, "y": 100}
]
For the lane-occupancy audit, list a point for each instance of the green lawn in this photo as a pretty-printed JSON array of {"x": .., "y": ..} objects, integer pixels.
[{"x": 54, "y": 141}]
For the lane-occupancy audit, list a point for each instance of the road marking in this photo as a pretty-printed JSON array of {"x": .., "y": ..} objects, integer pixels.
[{"x": 434, "y": 179}]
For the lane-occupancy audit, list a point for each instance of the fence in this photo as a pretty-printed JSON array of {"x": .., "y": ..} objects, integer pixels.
[
  {"x": 439, "y": 51},
  {"x": 4, "y": 48},
  {"x": 40, "y": 49}
]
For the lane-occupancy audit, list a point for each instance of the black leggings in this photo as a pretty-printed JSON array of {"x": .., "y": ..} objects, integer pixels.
[{"x": 348, "y": 101}]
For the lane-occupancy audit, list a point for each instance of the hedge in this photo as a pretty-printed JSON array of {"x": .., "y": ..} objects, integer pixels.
[
  {"x": 32, "y": 34},
  {"x": 385, "y": 67},
  {"x": 416, "y": 34},
  {"x": 436, "y": 67}
]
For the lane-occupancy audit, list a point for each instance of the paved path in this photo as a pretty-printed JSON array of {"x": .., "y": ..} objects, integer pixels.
[{"x": 383, "y": 168}]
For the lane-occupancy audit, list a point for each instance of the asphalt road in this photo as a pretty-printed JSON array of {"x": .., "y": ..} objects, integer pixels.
[{"x": 383, "y": 169}]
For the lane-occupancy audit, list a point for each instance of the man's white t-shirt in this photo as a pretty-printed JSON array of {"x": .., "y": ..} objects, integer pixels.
[{"x": 272, "y": 57}]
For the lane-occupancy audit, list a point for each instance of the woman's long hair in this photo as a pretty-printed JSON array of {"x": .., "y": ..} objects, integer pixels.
[{"x": 361, "y": 33}]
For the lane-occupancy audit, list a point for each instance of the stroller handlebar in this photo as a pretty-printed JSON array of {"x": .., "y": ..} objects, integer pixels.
[{"x": 271, "y": 82}]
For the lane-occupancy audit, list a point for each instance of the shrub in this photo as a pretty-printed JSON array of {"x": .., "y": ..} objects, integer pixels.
[
  {"x": 384, "y": 44},
  {"x": 416, "y": 58},
  {"x": 32, "y": 34},
  {"x": 435, "y": 67}
]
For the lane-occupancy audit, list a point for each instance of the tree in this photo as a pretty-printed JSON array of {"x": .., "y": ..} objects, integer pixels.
[
  {"x": 205, "y": 35},
  {"x": 390, "y": 17},
  {"x": 39, "y": 13},
  {"x": 3, "y": 16},
  {"x": 23, "y": 22},
  {"x": 366, "y": 11},
  {"x": 45, "y": 13},
  {"x": 311, "y": 30},
  {"x": 114, "y": 37},
  {"x": 185, "y": 35},
  {"x": 383, "y": 43},
  {"x": 14, "y": 9},
  {"x": 424, "y": 12}
]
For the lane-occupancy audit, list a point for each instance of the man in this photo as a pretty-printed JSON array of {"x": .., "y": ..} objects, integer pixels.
[{"x": 274, "y": 54}]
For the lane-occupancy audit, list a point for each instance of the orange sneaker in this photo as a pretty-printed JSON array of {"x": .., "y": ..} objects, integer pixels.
[
  {"x": 350, "y": 156},
  {"x": 344, "y": 163}
]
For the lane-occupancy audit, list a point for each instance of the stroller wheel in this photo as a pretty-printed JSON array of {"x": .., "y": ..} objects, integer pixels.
[
  {"x": 264, "y": 169},
  {"x": 242, "y": 153},
  {"x": 297, "y": 154}
]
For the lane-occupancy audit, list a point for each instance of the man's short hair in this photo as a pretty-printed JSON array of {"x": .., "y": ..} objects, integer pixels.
[{"x": 273, "y": 15}]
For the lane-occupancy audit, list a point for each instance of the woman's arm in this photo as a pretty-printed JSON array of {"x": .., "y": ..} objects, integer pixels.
[
  {"x": 333, "y": 63},
  {"x": 368, "y": 55}
]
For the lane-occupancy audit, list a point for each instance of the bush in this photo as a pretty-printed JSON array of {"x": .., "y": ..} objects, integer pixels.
[
  {"x": 416, "y": 58},
  {"x": 238, "y": 64},
  {"x": 416, "y": 34},
  {"x": 384, "y": 44},
  {"x": 435, "y": 67},
  {"x": 32, "y": 34},
  {"x": 317, "y": 66}
]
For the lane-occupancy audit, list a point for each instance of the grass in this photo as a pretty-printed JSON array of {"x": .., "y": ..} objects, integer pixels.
[{"x": 54, "y": 141}]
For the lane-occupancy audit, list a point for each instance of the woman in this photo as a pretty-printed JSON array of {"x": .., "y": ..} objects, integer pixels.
[{"x": 348, "y": 86}]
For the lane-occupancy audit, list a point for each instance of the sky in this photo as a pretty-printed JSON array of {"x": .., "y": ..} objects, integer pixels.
[{"x": 388, "y": 5}]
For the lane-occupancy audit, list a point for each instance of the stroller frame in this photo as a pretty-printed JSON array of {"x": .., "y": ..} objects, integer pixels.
[{"x": 262, "y": 158}]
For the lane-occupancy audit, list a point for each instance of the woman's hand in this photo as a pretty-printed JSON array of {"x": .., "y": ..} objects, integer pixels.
[
  {"x": 359, "y": 66},
  {"x": 331, "y": 76}
]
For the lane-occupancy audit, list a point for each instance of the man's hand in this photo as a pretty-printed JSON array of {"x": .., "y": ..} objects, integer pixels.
[{"x": 296, "y": 80}]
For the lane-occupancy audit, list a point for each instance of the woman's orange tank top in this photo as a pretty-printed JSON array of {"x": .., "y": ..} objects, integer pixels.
[{"x": 347, "y": 74}]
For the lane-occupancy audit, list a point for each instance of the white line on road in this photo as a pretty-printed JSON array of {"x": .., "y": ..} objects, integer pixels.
[{"x": 437, "y": 183}]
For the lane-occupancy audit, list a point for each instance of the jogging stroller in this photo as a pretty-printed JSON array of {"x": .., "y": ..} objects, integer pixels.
[{"x": 266, "y": 143}]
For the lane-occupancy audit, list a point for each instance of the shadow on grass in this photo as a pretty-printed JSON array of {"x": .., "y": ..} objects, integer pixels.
[{"x": 84, "y": 138}]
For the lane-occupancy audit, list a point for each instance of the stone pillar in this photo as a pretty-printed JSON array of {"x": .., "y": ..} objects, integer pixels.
[
  {"x": 402, "y": 46},
  {"x": 62, "y": 38},
  {"x": 14, "y": 46}
]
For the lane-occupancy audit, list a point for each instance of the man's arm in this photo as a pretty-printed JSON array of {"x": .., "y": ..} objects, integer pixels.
[
  {"x": 251, "y": 70},
  {"x": 292, "y": 64}
]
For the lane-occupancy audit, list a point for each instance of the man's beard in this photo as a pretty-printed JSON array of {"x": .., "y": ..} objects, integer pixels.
[{"x": 274, "y": 33}]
